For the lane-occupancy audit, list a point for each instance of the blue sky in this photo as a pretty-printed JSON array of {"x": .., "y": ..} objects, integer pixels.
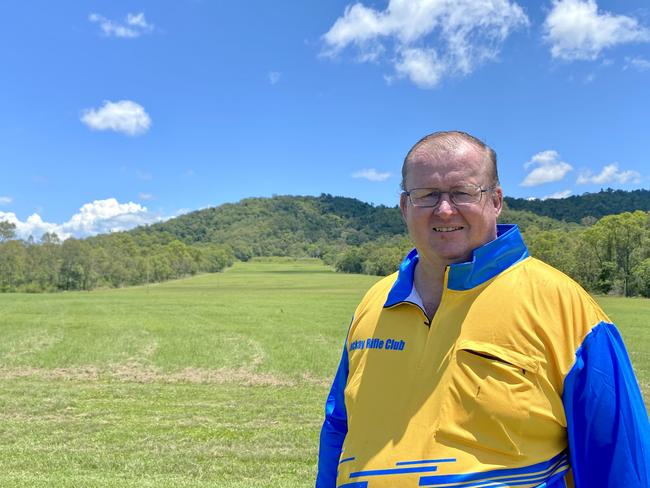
[{"x": 114, "y": 114}]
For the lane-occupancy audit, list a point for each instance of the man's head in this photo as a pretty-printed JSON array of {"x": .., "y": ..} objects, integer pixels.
[
  {"x": 450, "y": 140},
  {"x": 449, "y": 231}
]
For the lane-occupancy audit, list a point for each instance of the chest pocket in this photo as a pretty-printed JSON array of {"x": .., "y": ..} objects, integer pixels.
[{"x": 488, "y": 394}]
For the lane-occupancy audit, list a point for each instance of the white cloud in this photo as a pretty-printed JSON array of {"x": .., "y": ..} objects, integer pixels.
[
  {"x": 145, "y": 196},
  {"x": 107, "y": 216},
  {"x": 98, "y": 217},
  {"x": 577, "y": 30},
  {"x": 6, "y": 200},
  {"x": 122, "y": 116},
  {"x": 558, "y": 195},
  {"x": 609, "y": 174},
  {"x": 133, "y": 26},
  {"x": 274, "y": 77},
  {"x": 371, "y": 175},
  {"x": 638, "y": 63},
  {"x": 548, "y": 168},
  {"x": 426, "y": 40},
  {"x": 421, "y": 66},
  {"x": 138, "y": 20}
]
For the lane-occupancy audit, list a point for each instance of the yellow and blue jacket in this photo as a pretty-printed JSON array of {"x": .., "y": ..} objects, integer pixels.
[{"x": 519, "y": 380}]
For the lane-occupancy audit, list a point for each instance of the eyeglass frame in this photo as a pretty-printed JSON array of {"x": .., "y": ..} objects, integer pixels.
[{"x": 480, "y": 189}]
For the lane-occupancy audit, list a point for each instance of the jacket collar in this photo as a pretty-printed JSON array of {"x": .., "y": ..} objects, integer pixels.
[{"x": 487, "y": 261}]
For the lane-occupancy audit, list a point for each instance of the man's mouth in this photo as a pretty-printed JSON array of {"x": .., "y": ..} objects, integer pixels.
[{"x": 446, "y": 229}]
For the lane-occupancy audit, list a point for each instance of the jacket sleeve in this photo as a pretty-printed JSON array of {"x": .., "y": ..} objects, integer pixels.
[
  {"x": 607, "y": 423},
  {"x": 334, "y": 428}
]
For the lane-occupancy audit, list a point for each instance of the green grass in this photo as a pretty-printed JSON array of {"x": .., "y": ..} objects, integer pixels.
[{"x": 218, "y": 380}]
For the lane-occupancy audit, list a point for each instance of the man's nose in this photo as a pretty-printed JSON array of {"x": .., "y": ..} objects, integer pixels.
[{"x": 445, "y": 205}]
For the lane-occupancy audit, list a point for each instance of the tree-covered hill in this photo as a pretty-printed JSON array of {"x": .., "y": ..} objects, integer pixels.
[
  {"x": 284, "y": 225},
  {"x": 590, "y": 206}
]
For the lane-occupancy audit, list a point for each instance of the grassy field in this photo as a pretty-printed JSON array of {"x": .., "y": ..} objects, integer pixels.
[{"x": 218, "y": 380}]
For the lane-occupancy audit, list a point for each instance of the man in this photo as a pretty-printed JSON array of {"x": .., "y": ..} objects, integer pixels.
[{"x": 476, "y": 365}]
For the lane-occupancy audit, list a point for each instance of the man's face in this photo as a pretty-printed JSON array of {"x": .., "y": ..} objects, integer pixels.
[{"x": 447, "y": 233}]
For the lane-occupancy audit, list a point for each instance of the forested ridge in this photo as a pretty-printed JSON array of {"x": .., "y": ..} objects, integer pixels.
[
  {"x": 610, "y": 254},
  {"x": 585, "y": 206},
  {"x": 284, "y": 225}
]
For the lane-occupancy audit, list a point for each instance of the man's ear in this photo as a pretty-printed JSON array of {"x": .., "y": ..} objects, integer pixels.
[
  {"x": 497, "y": 200},
  {"x": 403, "y": 203}
]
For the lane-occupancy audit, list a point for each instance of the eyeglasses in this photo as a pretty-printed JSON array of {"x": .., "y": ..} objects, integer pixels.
[{"x": 459, "y": 195}]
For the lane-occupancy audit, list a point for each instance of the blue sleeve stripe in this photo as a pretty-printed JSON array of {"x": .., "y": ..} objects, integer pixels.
[
  {"x": 356, "y": 484},
  {"x": 607, "y": 423},
  {"x": 383, "y": 472},
  {"x": 543, "y": 469},
  {"x": 505, "y": 482},
  {"x": 346, "y": 460},
  {"x": 426, "y": 461}
]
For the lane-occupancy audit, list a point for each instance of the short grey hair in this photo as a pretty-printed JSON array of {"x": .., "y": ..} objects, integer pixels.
[{"x": 449, "y": 141}]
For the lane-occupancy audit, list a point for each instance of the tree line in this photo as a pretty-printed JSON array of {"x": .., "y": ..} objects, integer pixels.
[
  {"x": 110, "y": 260},
  {"x": 606, "y": 255}
]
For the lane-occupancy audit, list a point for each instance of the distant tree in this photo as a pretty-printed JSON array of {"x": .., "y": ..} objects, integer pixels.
[
  {"x": 641, "y": 274},
  {"x": 13, "y": 263},
  {"x": 50, "y": 238},
  {"x": 44, "y": 266},
  {"x": 383, "y": 261},
  {"x": 77, "y": 271},
  {"x": 180, "y": 259},
  {"x": 351, "y": 261},
  {"x": 7, "y": 230},
  {"x": 555, "y": 247},
  {"x": 616, "y": 241},
  {"x": 588, "y": 220},
  {"x": 211, "y": 258}
]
